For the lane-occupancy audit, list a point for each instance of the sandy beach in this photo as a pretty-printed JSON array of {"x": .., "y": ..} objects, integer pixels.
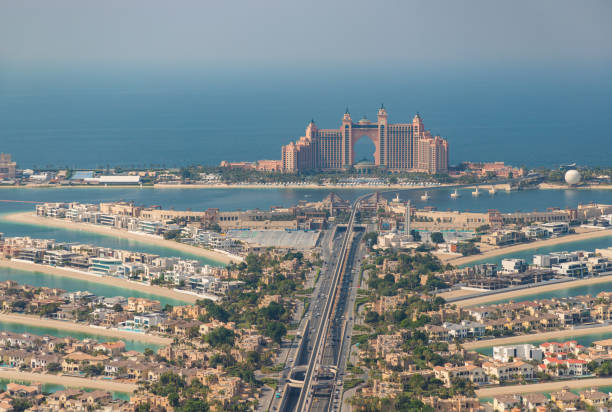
[
  {"x": 557, "y": 334},
  {"x": 69, "y": 381},
  {"x": 457, "y": 293},
  {"x": 549, "y": 186},
  {"x": 532, "y": 245},
  {"x": 479, "y": 300},
  {"x": 107, "y": 280},
  {"x": 79, "y": 327},
  {"x": 31, "y": 219},
  {"x": 543, "y": 387}
]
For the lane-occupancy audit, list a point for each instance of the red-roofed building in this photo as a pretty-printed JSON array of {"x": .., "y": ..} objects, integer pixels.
[
  {"x": 556, "y": 347},
  {"x": 564, "y": 367}
]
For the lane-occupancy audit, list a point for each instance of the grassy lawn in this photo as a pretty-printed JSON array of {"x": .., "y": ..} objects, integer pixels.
[
  {"x": 271, "y": 369},
  {"x": 352, "y": 382},
  {"x": 273, "y": 383}
]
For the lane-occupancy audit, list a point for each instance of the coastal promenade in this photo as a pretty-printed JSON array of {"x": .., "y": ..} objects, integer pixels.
[
  {"x": 30, "y": 320},
  {"x": 30, "y": 218},
  {"x": 539, "y": 336},
  {"x": 596, "y": 233},
  {"x": 494, "y": 297},
  {"x": 543, "y": 387},
  {"x": 551, "y": 186},
  {"x": 69, "y": 381},
  {"x": 106, "y": 280}
]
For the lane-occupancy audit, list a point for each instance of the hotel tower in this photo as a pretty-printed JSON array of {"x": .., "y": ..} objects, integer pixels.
[{"x": 399, "y": 146}]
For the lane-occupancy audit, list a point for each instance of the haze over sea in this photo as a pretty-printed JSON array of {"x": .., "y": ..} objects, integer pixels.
[{"x": 88, "y": 117}]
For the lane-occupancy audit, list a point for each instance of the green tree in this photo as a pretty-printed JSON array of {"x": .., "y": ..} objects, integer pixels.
[
  {"x": 275, "y": 330},
  {"x": 220, "y": 336},
  {"x": 193, "y": 332},
  {"x": 54, "y": 367},
  {"x": 20, "y": 404},
  {"x": 371, "y": 317},
  {"x": 437, "y": 237},
  {"x": 193, "y": 405}
]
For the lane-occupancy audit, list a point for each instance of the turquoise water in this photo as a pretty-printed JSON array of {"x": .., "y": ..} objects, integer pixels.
[
  {"x": 71, "y": 285},
  {"x": 592, "y": 290},
  {"x": 584, "y": 340},
  {"x": 588, "y": 244},
  {"x": 81, "y": 236},
  {"x": 264, "y": 198},
  {"x": 604, "y": 389},
  {"x": 130, "y": 344},
  {"x": 50, "y": 388}
]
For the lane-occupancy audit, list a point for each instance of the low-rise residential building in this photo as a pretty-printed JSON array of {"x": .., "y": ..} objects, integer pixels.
[
  {"x": 508, "y": 371},
  {"x": 564, "y": 399},
  {"x": 595, "y": 398},
  {"x": 503, "y": 403},
  {"x": 471, "y": 372},
  {"x": 525, "y": 351}
]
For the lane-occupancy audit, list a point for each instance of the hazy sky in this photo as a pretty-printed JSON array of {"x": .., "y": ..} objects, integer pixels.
[{"x": 309, "y": 32}]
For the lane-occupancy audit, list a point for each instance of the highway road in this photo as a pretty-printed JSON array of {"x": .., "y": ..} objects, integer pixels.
[{"x": 325, "y": 327}]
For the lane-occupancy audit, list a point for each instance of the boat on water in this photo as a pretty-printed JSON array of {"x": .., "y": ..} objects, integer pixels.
[
  {"x": 455, "y": 194},
  {"x": 476, "y": 192},
  {"x": 425, "y": 196},
  {"x": 492, "y": 190}
]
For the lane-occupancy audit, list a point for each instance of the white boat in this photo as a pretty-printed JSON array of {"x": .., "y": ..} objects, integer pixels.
[
  {"x": 492, "y": 190},
  {"x": 425, "y": 197},
  {"x": 455, "y": 194},
  {"x": 476, "y": 192}
]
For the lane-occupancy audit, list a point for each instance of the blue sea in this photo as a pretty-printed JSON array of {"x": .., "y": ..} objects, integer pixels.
[{"x": 545, "y": 115}]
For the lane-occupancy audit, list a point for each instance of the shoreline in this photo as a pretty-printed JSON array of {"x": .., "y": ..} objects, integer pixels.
[
  {"x": 232, "y": 186},
  {"x": 68, "y": 381},
  {"x": 106, "y": 280},
  {"x": 543, "y": 186},
  {"x": 30, "y": 219},
  {"x": 555, "y": 334},
  {"x": 552, "y": 186},
  {"x": 543, "y": 387},
  {"x": 456, "y": 261},
  {"x": 478, "y": 300},
  {"x": 31, "y": 320},
  {"x": 396, "y": 186}
]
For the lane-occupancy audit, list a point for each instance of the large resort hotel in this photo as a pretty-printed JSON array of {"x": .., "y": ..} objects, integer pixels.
[{"x": 400, "y": 147}]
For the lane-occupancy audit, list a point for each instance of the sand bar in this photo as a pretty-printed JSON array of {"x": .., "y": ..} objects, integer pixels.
[
  {"x": 457, "y": 294},
  {"x": 31, "y": 219},
  {"x": 543, "y": 387},
  {"x": 106, "y": 280},
  {"x": 69, "y": 381},
  {"x": 532, "y": 291},
  {"x": 532, "y": 245},
  {"x": 556, "y": 334},
  {"x": 548, "y": 186},
  {"x": 31, "y": 320}
]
